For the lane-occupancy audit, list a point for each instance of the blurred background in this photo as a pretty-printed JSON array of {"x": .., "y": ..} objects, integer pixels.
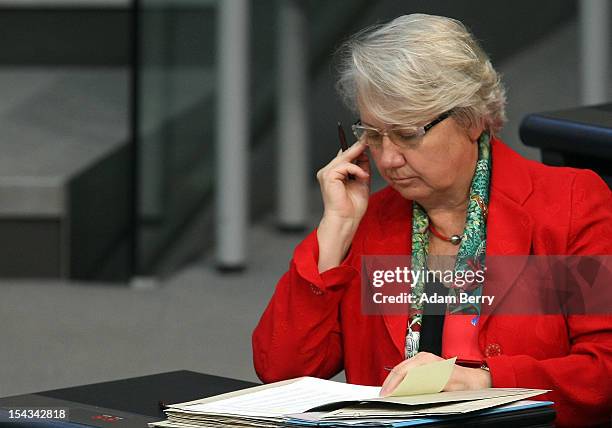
[{"x": 158, "y": 162}]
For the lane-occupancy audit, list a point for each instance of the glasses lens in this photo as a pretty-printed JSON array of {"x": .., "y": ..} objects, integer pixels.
[
  {"x": 370, "y": 136},
  {"x": 407, "y": 136},
  {"x": 404, "y": 137},
  {"x": 357, "y": 131}
]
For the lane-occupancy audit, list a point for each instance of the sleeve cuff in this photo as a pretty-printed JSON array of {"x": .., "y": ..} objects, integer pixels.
[
  {"x": 502, "y": 372},
  {"x": 306, "y": 259}
]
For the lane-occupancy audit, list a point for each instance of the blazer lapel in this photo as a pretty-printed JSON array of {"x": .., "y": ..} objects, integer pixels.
[
  {"x": 393, "y": 237},
  {"x": 509, "y": 225},
  {"x": 509, "y": 236}
]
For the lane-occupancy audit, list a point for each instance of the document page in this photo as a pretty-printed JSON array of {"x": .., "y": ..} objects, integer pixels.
[
  {"x": 455, "y": 396},
  {"x": 295, "y": 397},
  {"x": 426, "y": 379},
  {"x": 373, "y": 410}
]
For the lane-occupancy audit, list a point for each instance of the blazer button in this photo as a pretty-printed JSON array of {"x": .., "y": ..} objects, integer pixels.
[
  {"x": 493, "y": 350},
  {"x": 316, "y": 290}
]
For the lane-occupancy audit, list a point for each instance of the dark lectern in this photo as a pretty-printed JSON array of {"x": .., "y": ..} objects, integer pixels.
[{"x": 579, "y": 137}]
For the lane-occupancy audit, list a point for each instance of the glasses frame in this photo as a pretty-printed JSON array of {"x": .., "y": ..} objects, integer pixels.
[{"x": 420, "y": 130}]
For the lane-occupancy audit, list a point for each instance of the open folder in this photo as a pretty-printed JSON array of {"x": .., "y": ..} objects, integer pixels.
[{"x": 309, "y": 401}]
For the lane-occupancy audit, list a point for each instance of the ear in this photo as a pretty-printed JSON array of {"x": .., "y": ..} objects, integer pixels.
[{"x": 475, "y": 131}]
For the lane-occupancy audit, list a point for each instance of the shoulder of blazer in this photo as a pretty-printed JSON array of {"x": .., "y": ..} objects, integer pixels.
[
  {"x": 521, "y": 179},
  {"x": 510, "y": 173}
]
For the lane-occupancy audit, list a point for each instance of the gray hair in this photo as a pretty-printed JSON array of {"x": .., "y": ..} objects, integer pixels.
[{"x": 417, "y": 67}]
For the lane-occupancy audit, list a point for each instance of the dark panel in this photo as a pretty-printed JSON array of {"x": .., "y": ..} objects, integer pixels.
[
  {"x": 503, "y": 27},
  {"x": 64, "y": 36},
  {"x": 99, "y": 219},
  {"x": 114, "y": 266},
  {"x": 30, "y": 248},
  {"x": 578, "y": 137},
  {"x": 142, "y": 394},
  {"x": 188, "y": 175},
  {"x": 100, "y": 37},
  {"x": 190, "y": 35}
]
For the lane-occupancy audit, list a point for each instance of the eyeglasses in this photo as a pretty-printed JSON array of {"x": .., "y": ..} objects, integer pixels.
[{"x": 403, "y": 137}]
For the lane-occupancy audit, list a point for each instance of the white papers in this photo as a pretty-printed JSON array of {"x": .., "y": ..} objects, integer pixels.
[
  {"x": 299, "y": 396},
  {"x": 282, "y": 403},
  {"x": 375, "y": 410}
]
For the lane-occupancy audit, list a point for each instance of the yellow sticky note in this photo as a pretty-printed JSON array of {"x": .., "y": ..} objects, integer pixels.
[{"x": 426, "y": 379}]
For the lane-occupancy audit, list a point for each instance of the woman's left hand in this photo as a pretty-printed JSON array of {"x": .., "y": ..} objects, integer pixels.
[{"x": 461, "y": 378}]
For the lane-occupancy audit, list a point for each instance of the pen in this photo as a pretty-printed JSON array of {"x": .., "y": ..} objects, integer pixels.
[
  {"x": 342, "y": 137},
  {"x": 475, "y": 364},
  {"x": 343, "y": 143}
]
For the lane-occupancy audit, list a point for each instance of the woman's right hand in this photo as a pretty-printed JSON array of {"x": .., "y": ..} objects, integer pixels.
[{"x": 345, "y": 202}]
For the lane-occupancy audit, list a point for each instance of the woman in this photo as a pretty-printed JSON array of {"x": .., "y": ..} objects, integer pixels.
[{"x": 430, "y": 106}]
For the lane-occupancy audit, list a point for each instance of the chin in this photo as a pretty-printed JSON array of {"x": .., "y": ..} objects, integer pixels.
[{"x": 412, "y": 192}]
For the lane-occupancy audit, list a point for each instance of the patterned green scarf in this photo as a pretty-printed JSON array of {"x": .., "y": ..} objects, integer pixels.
[{"x": 471, "y": 255}]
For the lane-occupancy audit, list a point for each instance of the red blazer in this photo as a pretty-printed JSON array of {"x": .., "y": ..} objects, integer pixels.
[{"x": 313, "y": 325}]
